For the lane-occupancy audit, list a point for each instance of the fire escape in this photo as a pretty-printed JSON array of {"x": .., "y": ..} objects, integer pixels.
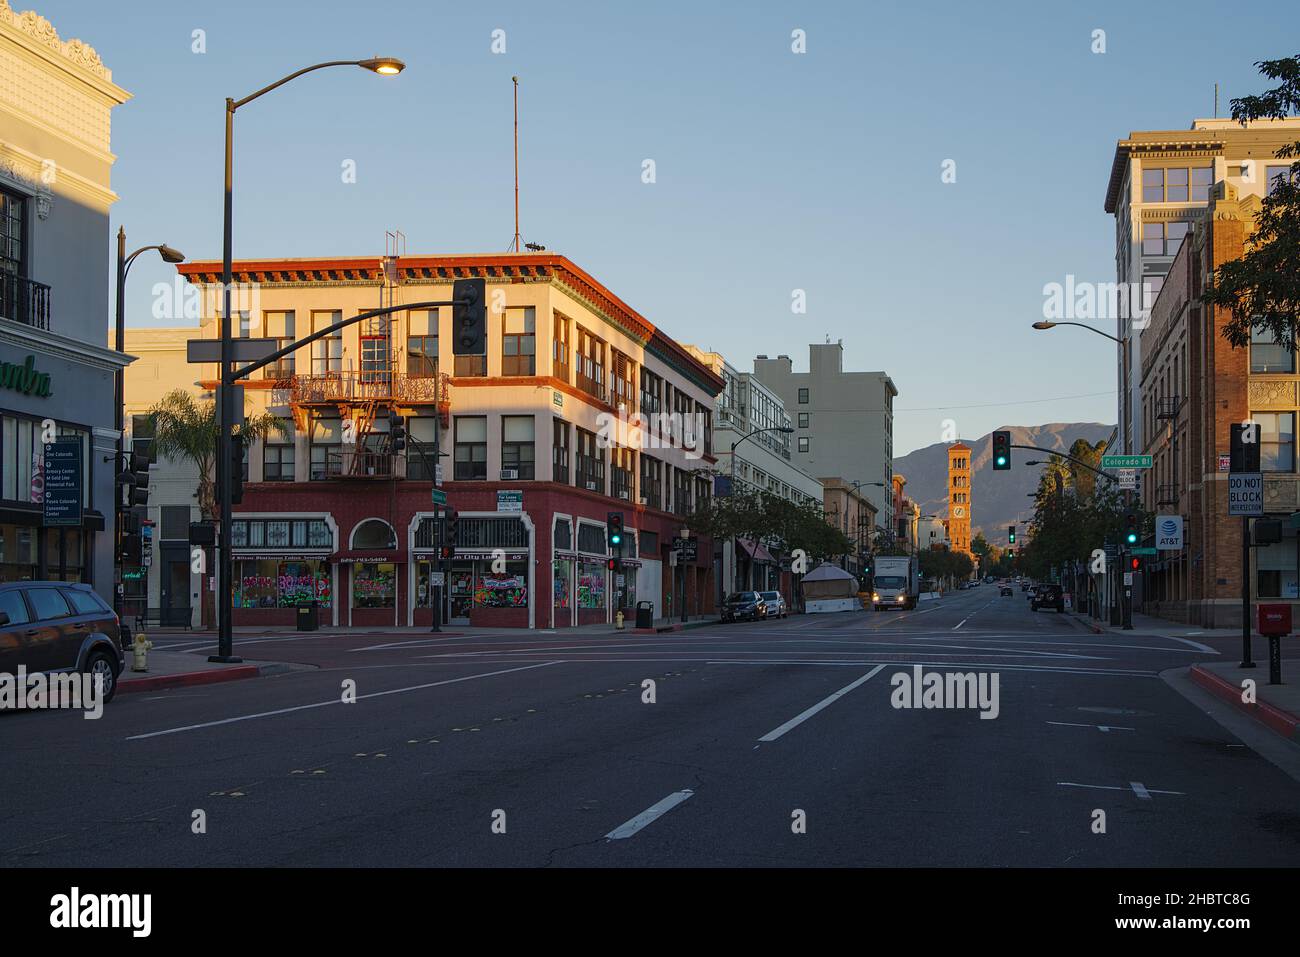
[{"x": 1167, "y": 410}]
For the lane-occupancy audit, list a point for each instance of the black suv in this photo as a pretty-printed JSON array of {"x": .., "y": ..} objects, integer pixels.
[
  {"x": 744, "y": 605},
  {"x": 1048, "y": 596},
  {"x": 60, "y": 626}
]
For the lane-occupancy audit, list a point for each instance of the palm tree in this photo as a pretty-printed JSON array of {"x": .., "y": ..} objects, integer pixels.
[{"x": 185, "y": 427}]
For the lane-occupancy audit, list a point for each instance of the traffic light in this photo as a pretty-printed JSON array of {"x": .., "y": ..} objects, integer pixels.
[
  {"x": 614, "y": 529},
  {"x": 1001, "y": 451},
  {"x": 1131, "y": 528},
  {"x": 446, "y": 551},
  {"x": 131, "y": 549},
  {"x": 136, "y": 478},
  {"x": 1011, "y": 534},
  {"x": 1135, "y": 563},
  {"x": 1243, "y": 447},
  {"x": 613, "y": 564},
  {"x": 236, "y": 466},
  {"x": 469, "y": 317},
  {"x": 396, "y": 432},
  {"x": 449, "y": 529}
]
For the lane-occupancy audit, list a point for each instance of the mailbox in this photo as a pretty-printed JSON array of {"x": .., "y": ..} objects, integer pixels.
[{"x": 1273, "y": 620}]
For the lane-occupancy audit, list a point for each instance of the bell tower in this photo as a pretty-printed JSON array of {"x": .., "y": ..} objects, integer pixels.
[{"x": 959, "y": 504}]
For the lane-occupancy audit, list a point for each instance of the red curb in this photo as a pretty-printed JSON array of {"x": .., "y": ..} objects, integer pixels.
[
  {"x": 1283, "y": 722},
  {"x": 188, "y": 678}
]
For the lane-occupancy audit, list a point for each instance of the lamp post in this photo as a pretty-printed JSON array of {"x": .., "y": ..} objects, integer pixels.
[
  {"x": 384, "y": 66},
  {"x": 124, "y": 262},
  {"x": 784, "y": 430}
]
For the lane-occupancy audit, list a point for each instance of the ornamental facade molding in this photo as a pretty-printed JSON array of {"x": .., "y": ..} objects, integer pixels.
[
  {"x": 31, "y": 180},
  {"x": 43, "y": 32}
]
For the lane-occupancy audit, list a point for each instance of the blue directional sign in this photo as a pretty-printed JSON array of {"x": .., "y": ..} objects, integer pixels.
[{"x": 64, "y": 481}]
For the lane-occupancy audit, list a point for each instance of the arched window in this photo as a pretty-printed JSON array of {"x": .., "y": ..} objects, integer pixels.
[{"x": 374, "y": 533}]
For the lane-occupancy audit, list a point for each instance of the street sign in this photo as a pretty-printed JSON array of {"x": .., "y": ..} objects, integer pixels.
[
  {"x": 1225, "y": 462},
  {"x": 1142, "y": 550},
  {"x": 439, "y": 497},
  {"x": 510, "y": 501},
  {"x": 146, "y": 544},
  {"x": 1169, "y": 532},
  {"x": 63, "y": 481},
  {"x": 436, "y": 578},
  {"x": 1126, "y": 461},
  {"x": 241, "y": 350},
  {"x": 688, "y": 547},
  {"x": 1245, "y": 493},
  {"x": 1128, "y": 578},
  {"x": 1128, "y": 479}
]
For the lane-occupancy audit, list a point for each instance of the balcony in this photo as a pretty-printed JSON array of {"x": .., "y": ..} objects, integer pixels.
[
  {"x": 23, "y": 300},
  {"x": 361, "y": 463},
  {"x": 1167, "y": 408},
  {"x": 1166, "y": 495},
  {"x": 342, "y": 387}
]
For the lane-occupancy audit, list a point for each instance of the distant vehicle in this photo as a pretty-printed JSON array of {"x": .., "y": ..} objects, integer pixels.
[
  {"x": 897, "y": 582},
  {"x": 1004, "y": 591},
  {"x": 60, "y": 626},
  {"x": 1048, "y": 596},
  {"x": 743, "y": 606},
  {"x": 773, "y": 605}
]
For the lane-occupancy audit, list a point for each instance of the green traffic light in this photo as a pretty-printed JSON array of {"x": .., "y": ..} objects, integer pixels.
[
  {"x": 616, "y": 539},
  {"x": 1132, "y": 538}
]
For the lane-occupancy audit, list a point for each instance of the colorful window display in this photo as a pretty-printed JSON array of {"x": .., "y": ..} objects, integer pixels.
[
  {"x": 591, "y": 584},
  {"x": 374, "y": 585},
  {"x": 563, "y": 583},
  {"x": 501, "y": 590},
  {"x": 269, "y": 583}
]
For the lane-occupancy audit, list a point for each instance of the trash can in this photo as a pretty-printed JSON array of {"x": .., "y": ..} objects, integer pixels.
[
  {"x": 308, "y": 616},
  {"x": 645, "y": 614}
]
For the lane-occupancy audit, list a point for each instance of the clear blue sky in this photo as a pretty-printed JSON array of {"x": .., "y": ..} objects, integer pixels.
[{"x": 775, "y": 171}]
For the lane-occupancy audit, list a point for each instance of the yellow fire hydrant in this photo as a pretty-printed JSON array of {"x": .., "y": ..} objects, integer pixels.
[
  {"x": 618, "y": 620},
  {"x": 140, "y": 651}
]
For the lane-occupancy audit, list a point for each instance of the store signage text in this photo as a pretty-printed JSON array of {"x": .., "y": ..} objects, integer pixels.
[{"x": 24, "y": 378}]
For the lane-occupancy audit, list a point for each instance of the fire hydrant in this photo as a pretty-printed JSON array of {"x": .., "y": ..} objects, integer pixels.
[
  {"x": 618, "y": 620},
  {"x": 140, "y": 651}
]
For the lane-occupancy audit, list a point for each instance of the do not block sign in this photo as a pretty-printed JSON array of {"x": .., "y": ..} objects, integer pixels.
[{"x": 1245, "y": 493}]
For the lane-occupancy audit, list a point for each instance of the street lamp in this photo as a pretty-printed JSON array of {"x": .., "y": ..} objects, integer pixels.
[
  {"x": 784, "y": 430},
  {"x": 124, "y": 262},
  {"x": 1048, "y": 324},
  {"x": 384, "y": 66}
]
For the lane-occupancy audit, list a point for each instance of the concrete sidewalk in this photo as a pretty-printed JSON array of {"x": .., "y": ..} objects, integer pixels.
[
  {"x": 176, "y": 669},
  {"x": 1150, "y": 625},
  {"x": 1275, "y": 706}
]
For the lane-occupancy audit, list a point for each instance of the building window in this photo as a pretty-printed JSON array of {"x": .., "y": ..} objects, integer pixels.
[
  {"x": 1276, "y": 175},
  {"x": 326, "y": 447},
  {"x": 13, "y": 258},
  {"x": 519, "y": 342},
  {"x": 326, "y": 353},
  {"x": 1177, "y": 184},
  {"x": 279, "y": 326},
  {"x": 471, "y": 448},
  {"x": 421, "y": 434},
  {"x": 1266, "y": 355},
  {"x": 277, "y": 458},
  {"x": 560, "y": 451},
  {"x": 591, "y": 462},
  {"x": 803, "y": 396},
  {"x": 471, "y": 366},
  {"x": 589, "y": 356},
  {"x": 622, "y": 379},
  {"x": 517, "y": 448},
  {"x": 651, "y": 481},
  {"x": 682, "y": 492},
  {"x": 1277, "y": 440},
  {"x": 622, "y": 464},
  {"x": 422, "y": 344},
  {"x": 375, "y": 367},
  {"x": 560, "y": 347},
  {"x": 803, "y": 420},
  {"x": 1162, "y": 239}
]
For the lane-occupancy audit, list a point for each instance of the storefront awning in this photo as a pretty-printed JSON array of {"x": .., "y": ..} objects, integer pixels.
[{"x": 756, "y": 550}]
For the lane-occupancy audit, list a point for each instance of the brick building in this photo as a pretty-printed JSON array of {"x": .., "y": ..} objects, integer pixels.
[
  {"x": 1194, "y": 387},
  {"x": 580, "y": 407}
]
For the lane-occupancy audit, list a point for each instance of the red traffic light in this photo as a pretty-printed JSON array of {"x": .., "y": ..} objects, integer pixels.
[{"x": 1135, "y": 563}]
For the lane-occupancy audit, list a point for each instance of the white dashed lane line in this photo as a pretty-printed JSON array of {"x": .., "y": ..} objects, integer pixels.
[
  {"x": 824, "y": 703},
  {"x": 648, "y": 816}
]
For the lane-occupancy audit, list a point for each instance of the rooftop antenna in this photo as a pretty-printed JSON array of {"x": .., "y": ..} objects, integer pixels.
[
  {"x": 515, "y": 81},
  {"x": 1216, "y": 101}
]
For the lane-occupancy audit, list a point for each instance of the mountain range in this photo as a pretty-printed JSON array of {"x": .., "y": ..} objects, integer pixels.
[{"x": 997, "y": 499}]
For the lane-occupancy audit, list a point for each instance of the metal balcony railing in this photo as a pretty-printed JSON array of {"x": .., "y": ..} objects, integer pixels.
[
  {"x": 361, "y": 463},
  {"x": 24, "y": 300},
  {"x": 392, "y": 386},
  {"x": 1167, "y": 494},
  {"x": 1167, "y": 408}
]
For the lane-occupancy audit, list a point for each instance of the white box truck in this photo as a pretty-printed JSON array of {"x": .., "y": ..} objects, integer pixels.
[{"x": 897, "y": 582}]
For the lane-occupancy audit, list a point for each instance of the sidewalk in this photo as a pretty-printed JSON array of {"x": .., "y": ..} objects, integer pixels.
[
  {"x": 1150, "y": 625},
  {"x": 1276, "y": 706},
  {"x": 176, "y": 669}
]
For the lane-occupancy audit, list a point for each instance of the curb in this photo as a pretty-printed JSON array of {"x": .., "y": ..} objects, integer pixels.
[
  {"x": 678, "y": 626},
  {"x": 1283, "y": 722},
  {"x": 188, "y": 679},
  {"x": 1088, "y": 623}
]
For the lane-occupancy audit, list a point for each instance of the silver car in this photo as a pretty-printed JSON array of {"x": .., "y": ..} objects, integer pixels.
[{"x": 774, "y": 605}]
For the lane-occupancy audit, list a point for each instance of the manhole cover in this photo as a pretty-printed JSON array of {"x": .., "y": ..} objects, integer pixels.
[{"x": 1126, "y": 711}]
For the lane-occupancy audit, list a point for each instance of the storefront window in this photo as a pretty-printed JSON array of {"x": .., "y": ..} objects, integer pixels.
[
  {"x": 564, "y": 583},
  {"x": 625, "y": 593},
  {"x": 591, "y": 584},
  {"x": 374, "y": 585},
  {"x": 270, "y": 583},
  {"x": 17, "y": 553},
  {"x": 508, "y": 590},
  {"x": 462, "y": 590},
  {"x": 425, "y": 590}
]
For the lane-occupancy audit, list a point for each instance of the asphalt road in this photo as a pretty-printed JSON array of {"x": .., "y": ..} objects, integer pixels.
[{"x": 539, "y": 749}]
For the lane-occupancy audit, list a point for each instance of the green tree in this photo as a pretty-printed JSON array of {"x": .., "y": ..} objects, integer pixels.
[
  {"x": 1261, "y": 290},
  {"x": 778, "y": 523},
  {"x": 185, "y": 427}
]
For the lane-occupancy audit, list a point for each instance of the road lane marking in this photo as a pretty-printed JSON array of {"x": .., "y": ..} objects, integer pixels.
[
  {"x": 1100, "y": 727},
  {"x": 825, "y": 702},
  {"x": 322, "y": 704},
  {"x": 1133, "y": 786},
  {"x": 1195, "y": 644},
  {"x": 648, "y": 816},
  {"x": 960, "y": 623}
]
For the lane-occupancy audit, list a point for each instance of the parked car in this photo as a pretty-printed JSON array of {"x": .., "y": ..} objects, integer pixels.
[
  {"x": 773, "y": 605},
  {"x": 744, "y": 606},
  {"x": 60, "y": 626},
  {"x": 1048, "y": 596}
]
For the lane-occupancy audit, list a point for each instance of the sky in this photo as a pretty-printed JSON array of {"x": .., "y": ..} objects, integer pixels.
[{"x": 774, "y": 171}]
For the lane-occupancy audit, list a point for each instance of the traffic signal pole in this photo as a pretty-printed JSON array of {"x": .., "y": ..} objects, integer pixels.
[{"x": 1246, "y": 660}]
